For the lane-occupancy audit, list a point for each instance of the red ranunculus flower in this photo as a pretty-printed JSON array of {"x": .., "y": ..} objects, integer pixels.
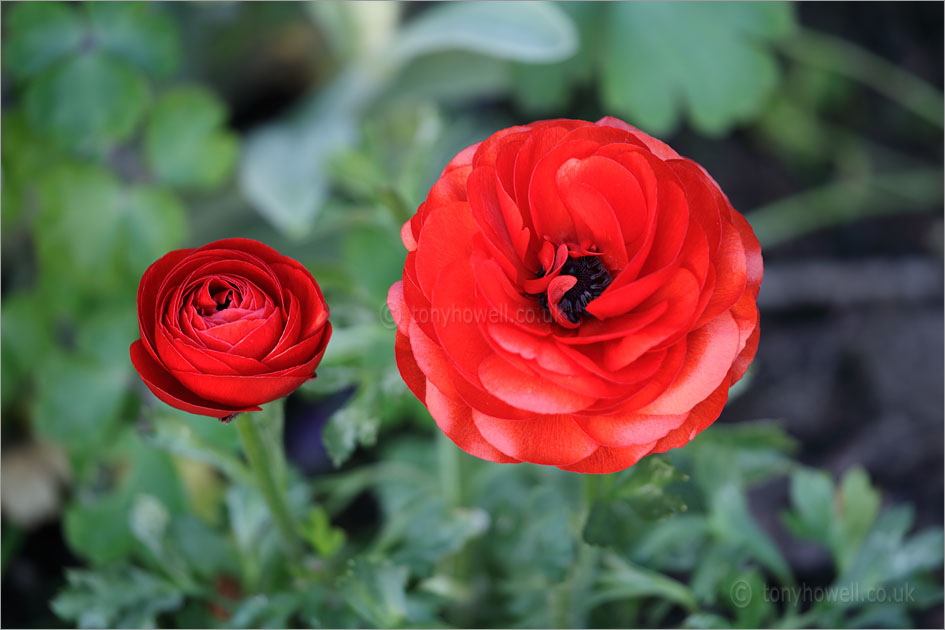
[
  {"x": 575, "y": 294},
  {"x": 227, "y": 327}
]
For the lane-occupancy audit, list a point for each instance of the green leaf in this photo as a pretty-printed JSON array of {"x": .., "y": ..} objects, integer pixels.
[
  {"x": 748, "y": 594},
  {"x": 545, "y": 542},
  {"x": 265, "y": 611},
  {"x": 376, "y": 591},
  {"x": 434, "y": 77},
  {"x": 859, "y": 504},
  {"x": 871, "y": 566},
  {"x": 37, "y": 34},
  {"x": 78, "y": 401},
  {"x": 283, "y": 166},
  {"x": 155, "y": 222},
  {"x": 659, "y": 58},
  {"x": 185, "y": 142},
  {"x": 106, "y": 336},
  {"x": 88, "y": 103},
  {"x": 76, "y": 246},
  {"x": 523, "y": 31},
  {"x": 812, "y": 498},
  {"x": 346, "y": 429},
  {"x": 636, "y": 497},
  {"x": 622, "y": 580},
  {"x": 98, "y": 530},
  {"x": 548, "y": 88},
  {"x": 141, "y": 33},
  {"x": 124, "y": 597},
  {"x": 732, "y": 521},
  {"x": 26, "y": 342},
  {"x": 127, "y": 231},
  {"x": 317, "y": 530}
]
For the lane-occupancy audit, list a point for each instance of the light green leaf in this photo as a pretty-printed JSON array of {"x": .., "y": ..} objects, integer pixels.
[
  {"x": 348, "y": 427},
  {"x": 124, "y": 597},
  {"x": 141, "y": 33},
  {"x": 376, "y": 591},
  {"x": 185, "y": 142},
  {"x": 283, "y": 165},
  {"x": 535, "y": 32},
  {"x": 317, "y": 530},
  {"x": 859, "y": 504},
  {"x": 434, "y": 77},
  {"x": 36, "y": 34},
  {"x": 661, "y": 58},
  {"x": 88, "y": 103}
]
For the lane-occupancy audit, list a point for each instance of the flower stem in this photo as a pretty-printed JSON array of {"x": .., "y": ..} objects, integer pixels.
[{"x": 260, "y": 434}]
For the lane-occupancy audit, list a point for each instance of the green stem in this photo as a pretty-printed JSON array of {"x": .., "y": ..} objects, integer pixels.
[
  {"x": 837, "y": 55},
  {"x": 260, "y": 435},
  {"x": 569, "y": 600}
]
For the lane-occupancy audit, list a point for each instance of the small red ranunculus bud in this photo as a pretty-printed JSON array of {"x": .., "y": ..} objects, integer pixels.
[{"x": 227, "y": 327}]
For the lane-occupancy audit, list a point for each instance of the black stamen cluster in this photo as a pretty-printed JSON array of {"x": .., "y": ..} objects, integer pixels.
[{"x": 592, "y": 279}]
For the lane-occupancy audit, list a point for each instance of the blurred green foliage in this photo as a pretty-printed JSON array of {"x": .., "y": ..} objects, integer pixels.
[{"x": 117, "y": 149}]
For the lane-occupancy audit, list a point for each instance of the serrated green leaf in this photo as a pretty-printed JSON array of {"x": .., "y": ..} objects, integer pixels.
[
  {"x": 650, "y": 82},
  {"x": 88, "y": 103},
  {"x": 37, "y": 34},
  {"x": 141, "y": 33},
  {"x": 186, "y": 143}
]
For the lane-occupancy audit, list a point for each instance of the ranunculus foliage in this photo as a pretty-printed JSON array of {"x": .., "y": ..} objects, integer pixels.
[
  {"x": 227, "y": 327},
  {"x": 575, "y": 294}
]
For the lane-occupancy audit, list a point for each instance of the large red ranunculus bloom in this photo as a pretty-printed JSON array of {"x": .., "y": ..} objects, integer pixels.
[
  {"x": 227, "y": 327},
  {"x": 575, "y": 294}
]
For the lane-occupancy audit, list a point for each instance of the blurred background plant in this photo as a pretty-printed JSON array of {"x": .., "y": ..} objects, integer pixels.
[{"x": 130, "y": 129}]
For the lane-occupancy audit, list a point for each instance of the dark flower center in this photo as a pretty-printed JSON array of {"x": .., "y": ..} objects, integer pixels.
[{"x": 592, "y": 279}]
